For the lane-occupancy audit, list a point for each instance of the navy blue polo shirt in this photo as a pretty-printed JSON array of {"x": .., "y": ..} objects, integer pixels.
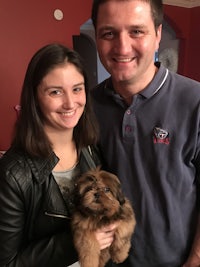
[{"x": 153, "y": 146}]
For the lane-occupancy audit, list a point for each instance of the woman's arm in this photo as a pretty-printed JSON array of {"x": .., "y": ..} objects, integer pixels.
[{"x": 16, "y": 247}]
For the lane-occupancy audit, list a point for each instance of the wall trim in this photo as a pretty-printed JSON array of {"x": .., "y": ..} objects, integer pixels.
[{"x": 183, "y": 3}]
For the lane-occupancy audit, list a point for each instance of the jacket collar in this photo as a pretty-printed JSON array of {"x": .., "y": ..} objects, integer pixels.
[{"x": 42, "y": 168}]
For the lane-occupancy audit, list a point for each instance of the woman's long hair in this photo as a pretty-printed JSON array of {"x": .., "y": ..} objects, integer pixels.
[{"x": 29, "y": 134}]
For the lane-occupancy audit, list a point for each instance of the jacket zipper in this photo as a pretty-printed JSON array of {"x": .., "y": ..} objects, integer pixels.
[{"x": 57, "y": 215}]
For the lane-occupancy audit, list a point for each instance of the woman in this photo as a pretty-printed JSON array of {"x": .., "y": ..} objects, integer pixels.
[{"x": 52, "y": 145}]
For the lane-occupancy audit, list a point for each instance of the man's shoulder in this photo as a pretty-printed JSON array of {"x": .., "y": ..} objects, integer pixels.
[
  {"x": 183, "y": 88},
  {"x": 99, "y": 88},
  {"x": 184, "y": 80}
]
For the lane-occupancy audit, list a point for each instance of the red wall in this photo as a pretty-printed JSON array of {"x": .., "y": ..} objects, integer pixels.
[
  {"x": 194, "y": 55},
  {"x": 185, "y": 22},
  {"x": 25, "y": 27}
]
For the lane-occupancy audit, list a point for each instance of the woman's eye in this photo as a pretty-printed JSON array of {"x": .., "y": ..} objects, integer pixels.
[
  {"x": 55, "y": 92},
  {"x": 78, "y": 89}
]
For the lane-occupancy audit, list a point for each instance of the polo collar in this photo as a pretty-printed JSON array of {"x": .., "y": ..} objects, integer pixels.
[{"x": 154, "y": 86}]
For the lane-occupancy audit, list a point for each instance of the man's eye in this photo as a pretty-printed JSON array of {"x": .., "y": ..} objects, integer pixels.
[
  {"x": 136, "y": 33},
  {"x": 107, "y": 35}
]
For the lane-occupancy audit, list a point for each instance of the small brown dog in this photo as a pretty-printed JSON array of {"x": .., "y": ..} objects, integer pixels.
[{"x": 98, "y": 202}]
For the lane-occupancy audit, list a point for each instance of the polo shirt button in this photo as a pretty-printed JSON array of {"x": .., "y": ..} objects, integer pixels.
[
  {"x": 128, "y": 128},
  {"x": 128, "y": 111}
]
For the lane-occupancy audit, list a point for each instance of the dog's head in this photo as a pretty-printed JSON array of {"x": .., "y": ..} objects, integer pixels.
[{"x": 98, "y": 192}]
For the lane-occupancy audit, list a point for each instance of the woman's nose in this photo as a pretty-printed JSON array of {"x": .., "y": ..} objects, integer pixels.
[{"x": 68, "y": 101}]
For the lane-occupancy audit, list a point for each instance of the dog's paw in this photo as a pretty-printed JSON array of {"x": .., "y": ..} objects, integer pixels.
[
  {"x": 119, "y": 254},
  {"x": 119, "y": 258}
]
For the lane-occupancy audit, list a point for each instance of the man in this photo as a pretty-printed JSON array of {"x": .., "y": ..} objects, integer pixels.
[{"x": 149, "y": 123}]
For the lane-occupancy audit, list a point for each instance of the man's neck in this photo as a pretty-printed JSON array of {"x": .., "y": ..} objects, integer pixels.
[{"x": 127, "y": 89}]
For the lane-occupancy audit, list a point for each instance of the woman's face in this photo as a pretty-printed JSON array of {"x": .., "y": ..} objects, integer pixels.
[{"x": 62, "y": 98}]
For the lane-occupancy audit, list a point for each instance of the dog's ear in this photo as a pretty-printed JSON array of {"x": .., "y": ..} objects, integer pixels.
[
  {"x": 112, "y": 181},
  {"x": 76, "y": 195},
  {"x": 82, "y": 184},
  {"x": 120, "y": 197}
]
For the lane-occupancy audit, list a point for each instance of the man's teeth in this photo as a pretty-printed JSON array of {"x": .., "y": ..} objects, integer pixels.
[{"x": 124, "y": 60}]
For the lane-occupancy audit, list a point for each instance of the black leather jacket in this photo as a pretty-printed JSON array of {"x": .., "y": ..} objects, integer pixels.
[{"x": 34, "y": 219}]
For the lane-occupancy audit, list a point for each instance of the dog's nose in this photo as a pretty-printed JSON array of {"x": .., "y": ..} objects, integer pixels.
[{"x": 97, "y": 195}]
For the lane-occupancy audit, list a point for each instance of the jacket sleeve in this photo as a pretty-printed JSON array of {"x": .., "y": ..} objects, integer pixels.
[{"x": 16, "y": 248}]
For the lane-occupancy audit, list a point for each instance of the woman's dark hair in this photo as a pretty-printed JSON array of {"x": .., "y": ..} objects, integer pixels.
[
  {"x": 156, "y": 10},
  {"x": 29, "y": 133}
]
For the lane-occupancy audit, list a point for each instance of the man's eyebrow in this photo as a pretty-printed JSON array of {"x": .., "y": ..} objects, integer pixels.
[
  {"x": 104, "y": 28},
  {"x": 138, "y": 26},
  {"x": 132, "y": 26}
]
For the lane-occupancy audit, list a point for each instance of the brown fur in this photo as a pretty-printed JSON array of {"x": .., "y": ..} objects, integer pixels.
[{"x": 99, "y": 201}]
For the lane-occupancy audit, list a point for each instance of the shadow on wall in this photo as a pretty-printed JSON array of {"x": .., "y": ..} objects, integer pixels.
[
  {"x": 169, "y": 48},
  {"x": 86, "y": 46}
]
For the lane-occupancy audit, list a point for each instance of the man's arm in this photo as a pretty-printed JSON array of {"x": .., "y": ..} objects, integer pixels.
[{"x": 194, "y": 257}]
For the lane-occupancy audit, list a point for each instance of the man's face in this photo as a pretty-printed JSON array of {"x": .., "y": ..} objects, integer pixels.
[{"x": 126, "y": 40}]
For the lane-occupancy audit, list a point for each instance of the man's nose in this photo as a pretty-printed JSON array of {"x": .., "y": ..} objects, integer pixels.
[{"x": 123, "y": 44}]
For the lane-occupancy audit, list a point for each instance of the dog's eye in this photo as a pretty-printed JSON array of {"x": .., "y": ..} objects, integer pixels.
[
  {"x": 91, "y": 178},
  {"x": 89, "y": 188},
  {"x": 106, "y": 189}
]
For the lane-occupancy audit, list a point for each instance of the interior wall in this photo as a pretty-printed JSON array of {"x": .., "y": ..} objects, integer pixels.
[
  {"x": 185, "y": 22},
  {"x": 25, "y": 27},
  {"x": 194, "y": 45}
]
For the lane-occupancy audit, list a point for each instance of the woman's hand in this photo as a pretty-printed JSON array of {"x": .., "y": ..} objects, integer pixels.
[{"x": 105, "y": 235}]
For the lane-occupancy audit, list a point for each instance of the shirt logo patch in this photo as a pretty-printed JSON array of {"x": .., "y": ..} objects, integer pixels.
[{"x": 160, "y": 136}]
